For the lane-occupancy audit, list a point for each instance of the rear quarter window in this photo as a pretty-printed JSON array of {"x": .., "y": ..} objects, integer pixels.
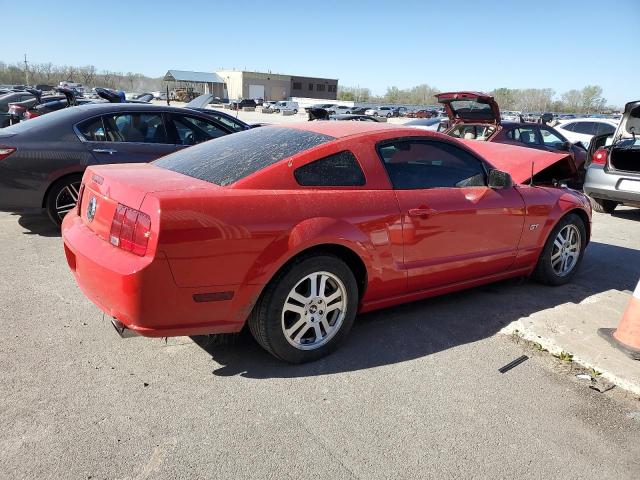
[
  {"x": 339, "y": 170},
  {"x": 226, "y": 160}
]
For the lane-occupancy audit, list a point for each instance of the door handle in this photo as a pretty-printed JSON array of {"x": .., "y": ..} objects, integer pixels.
[
  {"x": 109, "y": 151},
  {"x": 421, "y": 212}
]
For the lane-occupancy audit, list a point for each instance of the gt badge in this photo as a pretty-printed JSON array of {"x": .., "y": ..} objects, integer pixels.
[
  {"x": 91, "y": 208},
  {"x": 533, "y": 226}
]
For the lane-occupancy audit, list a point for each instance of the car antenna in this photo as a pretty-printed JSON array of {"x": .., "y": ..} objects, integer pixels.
[{"x": 531, "y": 179}]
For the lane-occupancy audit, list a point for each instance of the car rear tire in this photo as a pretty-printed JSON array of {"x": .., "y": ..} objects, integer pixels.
[
  {"x": 563, "y": 251},
  {"x": 307, "y": 309},
  {"x": 62, "y": 197},
  {"x": 603, "y": 206}
]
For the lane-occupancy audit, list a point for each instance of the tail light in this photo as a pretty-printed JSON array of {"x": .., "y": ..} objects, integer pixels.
[
  {"x": 29, "y": 114},
  {"x": 15, "y": 109},
  {"x": 130, "y": 230},
  {"x": 600, "y": 157},
  {"x": 6, "y": 151}
]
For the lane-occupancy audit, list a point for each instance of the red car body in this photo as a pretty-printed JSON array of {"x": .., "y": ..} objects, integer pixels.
[{"x": 212, "y": 249}]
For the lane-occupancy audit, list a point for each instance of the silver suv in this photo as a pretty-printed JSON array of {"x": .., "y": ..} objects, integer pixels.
[{"x": 613, "y": 176}]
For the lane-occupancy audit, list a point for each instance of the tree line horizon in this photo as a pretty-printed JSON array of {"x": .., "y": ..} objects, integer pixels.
[{"x": 589, "y": 99}]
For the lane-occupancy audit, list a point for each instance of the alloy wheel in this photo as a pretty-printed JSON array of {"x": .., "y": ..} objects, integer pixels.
[
  {"x": 314, "y": 310},
  {"x": 67, "y": 199},
  {"x": 566, "y": 250}
]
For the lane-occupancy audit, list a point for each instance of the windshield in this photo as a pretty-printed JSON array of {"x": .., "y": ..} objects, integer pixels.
[{"x": 228, "y": 159}]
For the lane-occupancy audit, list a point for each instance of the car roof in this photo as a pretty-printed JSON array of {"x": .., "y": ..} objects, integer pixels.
[
  {"x": 343, "y": 129},
  {"x": 588, "y": 119}
]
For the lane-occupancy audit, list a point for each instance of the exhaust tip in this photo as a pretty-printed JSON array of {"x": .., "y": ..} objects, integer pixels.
[{"x": 122, "y": 330}]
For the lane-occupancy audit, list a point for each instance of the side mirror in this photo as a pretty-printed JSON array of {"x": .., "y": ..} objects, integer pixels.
[
  {"x": 565, "y": 146},
  {"x": 499, "y": 179}
]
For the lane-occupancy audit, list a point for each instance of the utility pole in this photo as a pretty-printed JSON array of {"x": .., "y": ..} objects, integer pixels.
[{"x": 26, "y": 70}]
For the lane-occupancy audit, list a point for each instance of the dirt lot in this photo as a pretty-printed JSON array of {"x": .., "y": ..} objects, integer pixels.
[{"x": 414, "y": 392}]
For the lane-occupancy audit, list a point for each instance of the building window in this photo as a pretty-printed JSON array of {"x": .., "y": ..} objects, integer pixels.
[
  {"x": 297, "y": 85},
  {"x": 320, "y": 87},
  {"x": 332, "y": 88},
  {"x": 310, "y": 86}
]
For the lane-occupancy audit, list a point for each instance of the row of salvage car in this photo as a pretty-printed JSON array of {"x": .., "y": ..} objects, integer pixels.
[{"x": 292, "y": 230}]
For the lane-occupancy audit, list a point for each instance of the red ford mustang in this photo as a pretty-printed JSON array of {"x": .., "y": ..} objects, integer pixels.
[{"x": 296, "y": 229}]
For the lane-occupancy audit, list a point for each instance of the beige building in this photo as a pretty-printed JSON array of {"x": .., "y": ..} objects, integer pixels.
[{"x": 272, "y": 86}]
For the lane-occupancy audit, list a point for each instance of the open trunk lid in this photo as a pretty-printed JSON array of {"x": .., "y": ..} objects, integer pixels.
[
  {"x": 128, "y": 185},
  {"x": 470, "y": 107},
  {"x": 521, "y": 162},
  {"x": 624, "y": 154}
]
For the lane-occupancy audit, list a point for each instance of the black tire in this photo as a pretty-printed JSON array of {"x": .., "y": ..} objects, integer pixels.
[
  {"x": 56, "y": 190},
  {"x": 544, "y": 272},
  {"x": 603, "y": 206},
  {"x": 265, "y": 321},
  {"x": 295, "y": 111}
]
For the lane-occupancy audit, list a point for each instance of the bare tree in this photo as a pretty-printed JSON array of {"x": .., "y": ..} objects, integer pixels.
[{"x": 87, "y": 74}]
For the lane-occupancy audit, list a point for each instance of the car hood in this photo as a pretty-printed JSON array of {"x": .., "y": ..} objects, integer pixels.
[
  {"x": 522, "y": 162},
  {"x": 201, "y": 101},
  {"x": 470, "y": 107},
  {"x": 630, "y": 123},
  {"x": 36, "y": 93},
  {"x": 108, "y": 95}
]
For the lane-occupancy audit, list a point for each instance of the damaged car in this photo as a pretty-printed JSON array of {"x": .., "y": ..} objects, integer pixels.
[
  {"x": 296, "y": 229},
  {"x": 476, "y": 116},
  {"x": 613, "y": 176}
]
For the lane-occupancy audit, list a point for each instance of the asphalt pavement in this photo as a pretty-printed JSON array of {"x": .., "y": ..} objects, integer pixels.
[{"x": 415, "y": 392}]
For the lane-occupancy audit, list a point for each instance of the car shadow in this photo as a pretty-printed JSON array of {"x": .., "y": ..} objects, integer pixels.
[
  {"x": 628, "y": 214},
  {"x": 429, "y": 326},
  {"x": 35, "y": 222}
]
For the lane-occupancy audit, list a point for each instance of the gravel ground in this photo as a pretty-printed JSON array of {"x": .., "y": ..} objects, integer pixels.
[{"x": 414, "y": 392}]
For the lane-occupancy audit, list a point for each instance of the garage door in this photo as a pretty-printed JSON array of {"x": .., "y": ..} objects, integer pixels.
[{"x": 256, "y": 91}]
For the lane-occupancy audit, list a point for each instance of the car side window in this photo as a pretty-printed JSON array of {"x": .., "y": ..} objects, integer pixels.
[
  {"x": 233, "y": 125},
  {"x": 605, "y": 129},
  {"x": 339, "y": 170},
  {"x": 415, "y": 165},
  {"x": 93, "y": 130},
  {"x": 192, "y": 130},
  {"x": 135, "y": 128},
  {"x": 569, "y": 126},
  {"x": 550, "y": 139},
  {"x": 586, "y": 128},
  {"x": 526, "y": 135}
]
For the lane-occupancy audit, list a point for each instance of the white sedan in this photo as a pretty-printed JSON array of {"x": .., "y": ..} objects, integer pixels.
[
  {"x": 380, "y": 112},
  {"x": 584, "y": 129},
  {"x": 339, "y": 110}
]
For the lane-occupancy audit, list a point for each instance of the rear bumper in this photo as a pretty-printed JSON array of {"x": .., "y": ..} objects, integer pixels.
[
  {"x": 606, "y": 185},
  {"x": 140, "y": 293}
]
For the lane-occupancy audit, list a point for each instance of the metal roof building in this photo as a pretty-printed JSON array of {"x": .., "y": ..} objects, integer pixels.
[{"x": 203, "y": 82}]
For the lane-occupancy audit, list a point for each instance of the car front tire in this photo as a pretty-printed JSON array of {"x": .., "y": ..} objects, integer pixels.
[
  {"x": 603, "y": 206},
  {"x": 562, "y": 252},
  {"x": 307, "y": 309}
]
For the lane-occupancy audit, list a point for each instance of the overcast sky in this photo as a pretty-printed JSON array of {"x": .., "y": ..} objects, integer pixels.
[{"x": 473, "y": 45}]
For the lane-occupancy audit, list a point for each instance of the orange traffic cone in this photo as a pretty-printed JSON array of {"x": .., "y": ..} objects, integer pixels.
[{"x": 627, "y": 336}]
